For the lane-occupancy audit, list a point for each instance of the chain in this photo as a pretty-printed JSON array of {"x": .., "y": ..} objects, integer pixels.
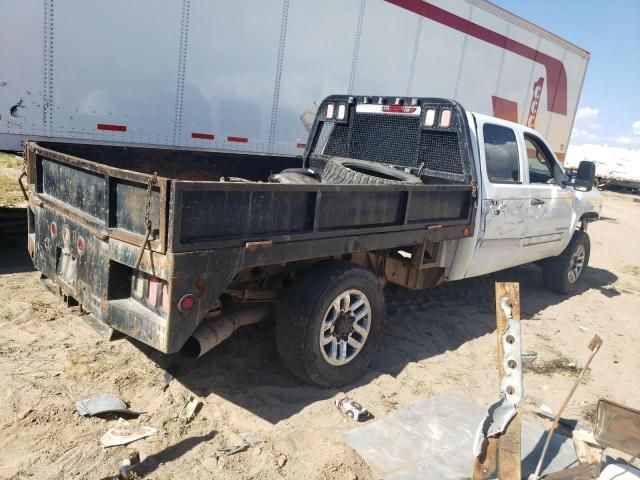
[
  {"x": 152, "y": 182},
  {"x": 147, "y": 221}
]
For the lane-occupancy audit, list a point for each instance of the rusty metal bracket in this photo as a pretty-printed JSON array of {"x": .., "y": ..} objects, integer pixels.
[{"x": 497, "y": 445}]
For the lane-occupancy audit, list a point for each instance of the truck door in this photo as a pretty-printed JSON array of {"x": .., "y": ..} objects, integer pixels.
[
  {"x": 505, "y": 199},
  {"x": 549, "y": 211}
]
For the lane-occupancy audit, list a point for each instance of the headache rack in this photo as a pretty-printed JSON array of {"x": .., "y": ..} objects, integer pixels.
[{"x": 430, "y": 136}]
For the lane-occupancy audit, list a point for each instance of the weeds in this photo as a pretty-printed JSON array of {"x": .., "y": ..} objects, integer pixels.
[
  {"x": 8, "y": 160},
  {"x": 559, "y": 364},
  {"x": 10, "y": 193}
]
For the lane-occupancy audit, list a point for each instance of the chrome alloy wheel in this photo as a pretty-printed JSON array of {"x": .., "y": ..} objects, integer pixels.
[
  {"x": 345, "y": 327},
  {"x": 576, "y": 264}
]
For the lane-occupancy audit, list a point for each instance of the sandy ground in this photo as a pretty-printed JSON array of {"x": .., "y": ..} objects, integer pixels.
[{"x": 436, "y": 341}]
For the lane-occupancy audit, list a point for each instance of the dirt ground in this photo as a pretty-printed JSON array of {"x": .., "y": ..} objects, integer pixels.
[{"x": 439, "y": 341}]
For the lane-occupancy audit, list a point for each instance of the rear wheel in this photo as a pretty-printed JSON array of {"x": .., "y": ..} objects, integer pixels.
[
  {"x": 562, "y": 273},
  {"x": 330, "y": 323}
]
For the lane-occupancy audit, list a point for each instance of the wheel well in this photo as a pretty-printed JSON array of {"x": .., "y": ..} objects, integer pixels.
[{"x": 587, "y": 218}]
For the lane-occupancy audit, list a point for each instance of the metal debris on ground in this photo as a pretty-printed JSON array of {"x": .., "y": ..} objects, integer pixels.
[
  {"x": 98, "y": 404},
  {"x": 124, "y": 432},
  {"x": 235, "y": 449},
  {"x": 352, "y": 409}
]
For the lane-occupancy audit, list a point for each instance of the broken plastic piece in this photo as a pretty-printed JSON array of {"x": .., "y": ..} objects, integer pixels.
[
  {"x": 102, "y": 404},
  {"x": 351, "y": 409},
  {"x": 124, "y": 433}
]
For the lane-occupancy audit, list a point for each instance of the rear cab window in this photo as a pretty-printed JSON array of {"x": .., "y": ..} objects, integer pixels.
[{"x": 501, "y": 154}]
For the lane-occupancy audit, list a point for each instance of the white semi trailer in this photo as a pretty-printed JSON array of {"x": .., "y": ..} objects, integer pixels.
[{"x": 231, "y": 74}]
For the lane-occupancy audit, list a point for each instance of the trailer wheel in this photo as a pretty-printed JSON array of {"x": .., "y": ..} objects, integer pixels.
[
  {"x": 562, "y": 273},
  {"x": 330, "y": 323},
  {"x": 339, "y": 170}
]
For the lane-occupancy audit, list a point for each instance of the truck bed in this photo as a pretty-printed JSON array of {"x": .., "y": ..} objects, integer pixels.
[{"x": 206, "y": 227}]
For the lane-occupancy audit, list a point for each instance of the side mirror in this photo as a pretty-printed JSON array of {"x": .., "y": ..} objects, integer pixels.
[{"x": 586, "y": 176}]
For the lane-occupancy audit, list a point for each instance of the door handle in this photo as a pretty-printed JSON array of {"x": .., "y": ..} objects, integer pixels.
[{"x": 537, "y": 201}]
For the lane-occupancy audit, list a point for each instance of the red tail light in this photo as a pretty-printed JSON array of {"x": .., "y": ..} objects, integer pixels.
[{"x": 53, "y": 228}]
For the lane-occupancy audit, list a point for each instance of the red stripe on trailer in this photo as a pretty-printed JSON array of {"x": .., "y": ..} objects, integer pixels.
[
  {"x": 237, "y": 139},
  {"x": 301, "y": 145},
  {"x": 112, "y": 128},
  {"x": 505, "y": 109},
  {"x": 556, "y": 74},
  {"x": 203, "y": 136}
]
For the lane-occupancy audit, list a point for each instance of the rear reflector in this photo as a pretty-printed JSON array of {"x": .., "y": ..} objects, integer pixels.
[
  {"x": 203, "y": 136},
  {"x": 164, "y": 302},
  {"x": 152, "y": 293},
  {"x": 112, "y": 128},
  {"x": 80, "y": 245},
  {"x": 237, "y": 139},
  {"x": 138, "y": 286},
  {"x": 66, "y": 235},
  {"x": 186, "y": 303}
]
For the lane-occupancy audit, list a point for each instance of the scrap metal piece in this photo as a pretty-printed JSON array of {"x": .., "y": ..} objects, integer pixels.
[{"x": 511, "y": 388}]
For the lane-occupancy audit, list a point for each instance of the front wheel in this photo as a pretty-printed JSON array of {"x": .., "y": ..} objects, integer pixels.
[
  {"x": 329, "y": 324},
  {"x": 562, "y": 273}
]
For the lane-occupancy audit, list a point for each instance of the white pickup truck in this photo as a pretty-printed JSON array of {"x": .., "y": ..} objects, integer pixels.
[{"x": 176, "y": 247}]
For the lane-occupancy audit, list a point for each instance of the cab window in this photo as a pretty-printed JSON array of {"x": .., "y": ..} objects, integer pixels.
[
  {"x": 501, "y": 153},
  {"x": 541, "y": 164}
]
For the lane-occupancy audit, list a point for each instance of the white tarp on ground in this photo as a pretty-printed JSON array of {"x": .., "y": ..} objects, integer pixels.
[{"x": 611, "y": 162}]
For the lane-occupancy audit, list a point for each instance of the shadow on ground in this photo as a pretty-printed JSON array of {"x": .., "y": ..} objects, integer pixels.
[
  {"x": 246, "y": 371},
  {"x": 14, "y": 257}
]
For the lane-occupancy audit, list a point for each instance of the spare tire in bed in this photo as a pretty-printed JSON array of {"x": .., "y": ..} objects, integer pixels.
[{"x": 339, "y": 170}]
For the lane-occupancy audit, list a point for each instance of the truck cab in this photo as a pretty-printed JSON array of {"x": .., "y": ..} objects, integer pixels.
[{"x": 529, "y": 205}]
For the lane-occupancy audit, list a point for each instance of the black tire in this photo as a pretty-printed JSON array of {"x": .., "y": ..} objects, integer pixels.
[
  {"x": 340, "y": 170},
  {"x": 556, "y": 270},
  {"x": 301, "y": 314}
]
